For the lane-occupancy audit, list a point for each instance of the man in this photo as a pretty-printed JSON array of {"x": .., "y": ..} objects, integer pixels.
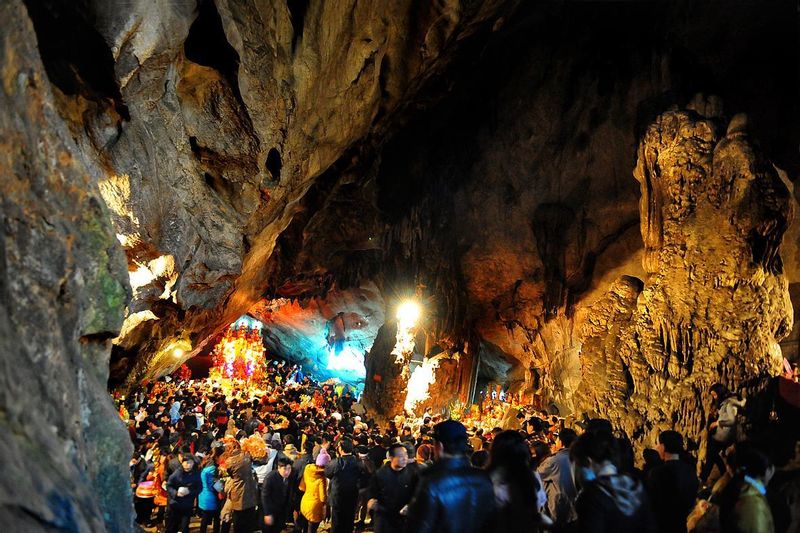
[
  {"x": 276, "y": 496},
  {"x": 390, "y": 491},
  {"x": 559, "y": 486},
  {"x": 241, "y": 489},
  {"x": 183, "y": 486},
  {"x": 344, "y": 473},
  {"x": 672, "y": 485},
  {"x": 451, "y": 496}
]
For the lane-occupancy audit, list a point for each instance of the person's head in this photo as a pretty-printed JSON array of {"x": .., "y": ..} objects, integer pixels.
[
  {"x": 284, "y": 466},
  {"x": 670, "y": 444},
  {"x": 309, "y": 445},
  {"x": 651, "y": 457},
  {"x": 479, "y": 459},
  {"x": 509, "y": 450},
  {"x": 411, "y": 450},
  {"x": 593, "y": 451},
  {"x": 187, "y": 462},
  {"x": 346, "y": 446},
  {"x": 719, "y": 392},
  {"x": 753, "y": 463},
  {"x": 398, "y": 456},
  {"x": 424, "y": 453},
  {"x": 212, "y": 457},
  {"x": 540, "y": 451},
  {"x": 566, "y": 437},
  {"x": 449, "y": 438}
]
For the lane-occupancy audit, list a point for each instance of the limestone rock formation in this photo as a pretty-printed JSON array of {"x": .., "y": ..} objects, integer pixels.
[
  {"x": 63, "y": 289},
  {"x": 715, "y": 301},
  {"x": 231, "y": 111}
]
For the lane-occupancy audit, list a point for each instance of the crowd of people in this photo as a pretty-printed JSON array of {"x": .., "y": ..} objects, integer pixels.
[{"x": 293, "y": 454}]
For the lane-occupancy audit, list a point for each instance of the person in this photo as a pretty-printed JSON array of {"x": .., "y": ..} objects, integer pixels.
[
  {"x": 608, "y": 501},
  {"x": 276, "y": 496},
  {"x": 315, "y": 491},
  {"x": 241, "y": 489},
  {"x": 390, "y": 491},
  {"x": 721, "y": 428},
  {"x": 183, "y": 487},
  {"x": 673, "y": 485},
  {"x": 298, "y": 467},
  {"x": 559, "y": 485},
  {"x": 743, "y": 504},
  {"x": 451, "y": 496},
  {"x": 476, "y": 441},
  {"x": 344, "y": 473},
  {"x": 208, "y": 499},
  {"x": 515, "y": 486}
]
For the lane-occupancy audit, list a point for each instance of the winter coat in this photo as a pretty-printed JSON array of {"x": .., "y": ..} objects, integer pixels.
[
  {"x": 182, "y": 478},
  {"x": 208, "y": 499},
  {"x": 452, "y": 497},
  {"x": 344, "y": 473},
  {"x": 725, "y": 431},
  {"x": 556, "y": 474},
  {"x": 751, "y": 514},
  {"x": 312, "y": 506},
  {"x": 612, "y": 504},
  {"x": 672, "y": 487},
  {"x": 276, "y": 495},
  {"x": 241, "y": 490}
]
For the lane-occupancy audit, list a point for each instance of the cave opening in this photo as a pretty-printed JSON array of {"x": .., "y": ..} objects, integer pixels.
[{"x": 381, "y": 228}]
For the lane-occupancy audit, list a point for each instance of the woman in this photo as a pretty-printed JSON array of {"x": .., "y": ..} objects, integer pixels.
[
  {"x": 314, "y": 485},
  {"x": 161, "y": 497},
  {"x": 609, "y": 501},
  {"x": 515, "y": 487},
  {"x": 743, "y": 503},
  {"x": 208, "y": 500},
  {"x": 721, "y": 429}
]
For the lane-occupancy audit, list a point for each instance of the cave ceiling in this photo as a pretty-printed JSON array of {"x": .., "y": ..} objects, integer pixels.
[{"x": 269, "y": 155}]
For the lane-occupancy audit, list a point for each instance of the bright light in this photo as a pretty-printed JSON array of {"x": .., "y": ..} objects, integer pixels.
[
  {"x": 408, "y": 313},
  {"x": 178, "y": 353},
  {"x": 419, "y": 383},
  {"x": 347, "y": 361}
]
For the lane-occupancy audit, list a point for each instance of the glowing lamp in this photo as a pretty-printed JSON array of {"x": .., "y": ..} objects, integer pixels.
[
  {"x": 177, "y": 353},
  {"x": 408, "y": 313}
]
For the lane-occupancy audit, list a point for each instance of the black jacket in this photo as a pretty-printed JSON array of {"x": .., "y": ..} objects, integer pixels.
[
  {"x": 276, "y": 497},
  {"x": 182, "y": 478},
  {"x": 392, "y": 489},
  {"x": 672, "y": 487},
  {"x": 452, "y": 497},
  {"x": 344, "y": 473},
  {"x": 297, "y": 475},
  {"x": 613, "y": 504}
]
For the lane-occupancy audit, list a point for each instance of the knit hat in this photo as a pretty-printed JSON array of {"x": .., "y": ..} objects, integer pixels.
[{"x": 323, "y": 458}]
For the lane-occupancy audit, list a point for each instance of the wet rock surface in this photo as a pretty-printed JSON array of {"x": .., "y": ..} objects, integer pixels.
[{"x": 63, "y": 287}]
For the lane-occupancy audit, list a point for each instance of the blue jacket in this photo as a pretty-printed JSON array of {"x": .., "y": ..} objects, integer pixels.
[{"x": 208, "y": 500}]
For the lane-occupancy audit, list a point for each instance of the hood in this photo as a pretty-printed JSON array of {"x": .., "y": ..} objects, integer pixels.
[{"x": 625, "y": 492}]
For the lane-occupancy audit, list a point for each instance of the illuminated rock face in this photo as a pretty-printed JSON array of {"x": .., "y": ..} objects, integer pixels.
[
  {"x": 715, "y": 301},
  {"x": 329, "y": 336},
  {"x": 63, "y": 288}
]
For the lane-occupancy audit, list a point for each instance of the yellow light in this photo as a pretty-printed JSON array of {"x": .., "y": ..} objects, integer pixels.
[
  {"x": 408, "y": 313},
  {"x": 177, "y": 352}
]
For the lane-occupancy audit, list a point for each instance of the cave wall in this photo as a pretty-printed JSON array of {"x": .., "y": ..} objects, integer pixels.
[
  {"x": 215, "y": 119},
  {"x": 526, "y": 168},
  {"x": 715, "y": 301},
  {"x": 63, "y": 290}
]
